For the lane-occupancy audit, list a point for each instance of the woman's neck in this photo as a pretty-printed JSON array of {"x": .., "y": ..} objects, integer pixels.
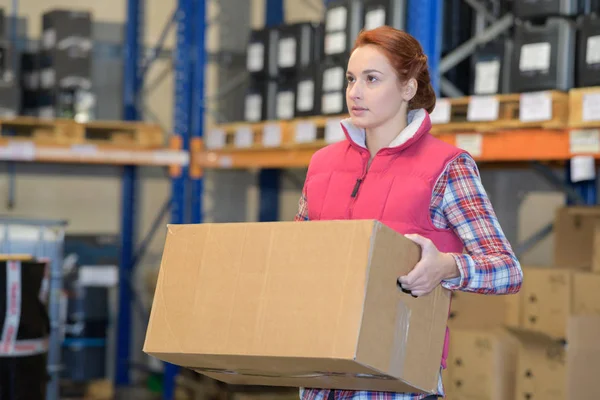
[{"x": 381, "y": 136}]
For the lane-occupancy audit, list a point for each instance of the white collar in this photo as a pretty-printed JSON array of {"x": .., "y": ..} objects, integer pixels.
[{"x": 415, "y": 119}]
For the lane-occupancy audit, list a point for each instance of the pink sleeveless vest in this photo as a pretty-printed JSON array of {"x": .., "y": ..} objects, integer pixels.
[{"x": 396, "y": 189}]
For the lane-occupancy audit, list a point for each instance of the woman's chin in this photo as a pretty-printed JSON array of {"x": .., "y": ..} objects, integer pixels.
[{"x": 359, "y": 122}]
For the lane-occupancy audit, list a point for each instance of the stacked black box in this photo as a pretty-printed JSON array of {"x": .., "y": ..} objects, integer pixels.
[
  {"x": 10, "y": 93},
  {"x": 526, "y": 9},
  {"x": 343, "y": 21},
  {"x": 385, "y": 12},
  {"x": 30, "y": 83},
  {"x": 64, "y": 62},
  {"x": 543, "y": 56},
  {"x": 491, "y": 67},
  {"x": 282, "y": 63},
  {"x": 333, "y": 88},
  {"x": 588, "y": 48},
  {"x": 261, "y": 63},
  {"x": 299, "y": 51}
]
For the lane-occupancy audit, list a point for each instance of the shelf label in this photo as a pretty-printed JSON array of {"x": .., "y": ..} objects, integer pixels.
[
  {"x": 170, "y": 157},
  {"x": 84, "y": 148},
  {"x": 483, "y": 108},
  {"x": 470, "y": 142},
  {"x": 591, "y": 107},
  {"x": 535, "y": 107},
  {"x": 21, "y": 151},
  {"x": 306, "y": 132},
  {"x": 225, "y": 162},
  {"x": 272, "y": 135},
  {"x": 244, "y": 137},
  {"x": 333, "y": 131},
  {"x": 584, "y": 141},
  {"x": 215, "y": 139},
  {"x": 583, "y": 168},
  {"x": 441, "y": 112}
]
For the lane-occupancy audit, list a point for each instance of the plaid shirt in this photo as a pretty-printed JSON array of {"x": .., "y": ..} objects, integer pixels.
[{"x": 459, "y": 202}]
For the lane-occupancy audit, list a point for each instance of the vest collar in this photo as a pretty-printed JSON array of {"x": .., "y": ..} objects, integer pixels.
[{"x": 418, "y": 124}]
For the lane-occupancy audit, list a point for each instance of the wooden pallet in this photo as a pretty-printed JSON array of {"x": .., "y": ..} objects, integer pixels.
[
  {"x": 121, "y": 134},
  {"x": 58, "y": 131},
  {"x": 514, "y": 111},
  {"x": 584, "y": 105},
  {"x": 249, "y": 136}
]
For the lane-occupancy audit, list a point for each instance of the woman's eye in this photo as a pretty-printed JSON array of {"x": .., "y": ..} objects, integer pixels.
[
  {"x": 350, "y": 79},
  {"x": 371, "y": 78}
]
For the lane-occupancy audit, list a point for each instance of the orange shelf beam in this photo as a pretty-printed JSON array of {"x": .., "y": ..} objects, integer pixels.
[{"x": 508, "y": 146}]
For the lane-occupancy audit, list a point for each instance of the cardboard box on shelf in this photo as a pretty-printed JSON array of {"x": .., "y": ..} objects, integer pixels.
[
  {"x": 541, "y": 371},
  {"x": 583, "y": 357},
  {"x": 297, "y": 304},
  {"x": 549, "y": 296},
  {"x": 577, "y": 238},
  {"x": 481, "y": 365},
  {"x": 547, "y": 300},
  {"x": 476, "y": 311}
]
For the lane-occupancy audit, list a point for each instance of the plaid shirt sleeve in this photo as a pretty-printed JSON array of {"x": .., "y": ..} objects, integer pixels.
[
  {"x": 302, "y": 214},
  {"x": 460, "y": 202}
]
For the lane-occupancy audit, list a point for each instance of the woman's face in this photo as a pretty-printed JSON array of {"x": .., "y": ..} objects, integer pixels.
[{"x": 374, "y": 94}]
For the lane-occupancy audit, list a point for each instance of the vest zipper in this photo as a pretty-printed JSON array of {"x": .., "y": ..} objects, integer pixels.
[
  {"x": 359, "y": 181},
  {"x": 356, "y": 187}
]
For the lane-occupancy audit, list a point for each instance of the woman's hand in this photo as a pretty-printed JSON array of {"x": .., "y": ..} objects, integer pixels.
[{"x": 431, "y": 270}]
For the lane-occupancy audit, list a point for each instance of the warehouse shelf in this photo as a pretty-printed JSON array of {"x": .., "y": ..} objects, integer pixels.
[
  {"x": 499, "y": 146},
  {"x": 65, "y": 131},
  {"x": 88, "y": 153},
  {"x": 547, "y": 110},
  {"x": 584, "y": 108},
  {"x": 541, "y": 126}
]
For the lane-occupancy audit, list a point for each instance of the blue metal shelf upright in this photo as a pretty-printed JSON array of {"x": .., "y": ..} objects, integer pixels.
[{"x": 187, "y": 184}]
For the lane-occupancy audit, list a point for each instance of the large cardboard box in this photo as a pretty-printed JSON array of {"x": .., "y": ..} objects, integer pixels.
[
  {"x": 583, "y": 357},
  {"x": 549, "y": 296},
  {"x": 476, "y": 311},
  {"x": 311, "y": 304},
  {"x": 541, "y": 371},
  {"x": 481, "y": 365},
  {"x": 547, "y": 300},
  {"x": 577, "y": 238}
]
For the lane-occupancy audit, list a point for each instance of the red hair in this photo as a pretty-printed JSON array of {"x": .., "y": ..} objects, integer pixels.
[{"x": 406, "y": 55}]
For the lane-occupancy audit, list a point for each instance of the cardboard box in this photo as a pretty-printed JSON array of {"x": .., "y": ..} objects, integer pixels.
[
  {"x": 577, "y": 238},
  {"x": 476, "y": 311},
  {"x": 586, "y": 294},
  {"x": 541, "y": 372},
  {"x": 549, "y": 296},
  {"x": 481, "y": 365},
  {"x": 547, "y": 300},
  {"x": 583, "y": 357},
  {"x": 293, "y": 304}
]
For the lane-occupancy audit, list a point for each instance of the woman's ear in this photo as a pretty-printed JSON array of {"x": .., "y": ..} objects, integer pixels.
[{"x": 410, "y": 89}]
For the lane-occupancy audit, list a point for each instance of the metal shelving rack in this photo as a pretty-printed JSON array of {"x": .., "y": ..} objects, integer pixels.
[
  {"x": 186, "y": 201},
  {"x": 424, "y": 22}
]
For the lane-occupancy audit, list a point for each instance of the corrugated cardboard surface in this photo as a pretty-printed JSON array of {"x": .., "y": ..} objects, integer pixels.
[
  {"x": 475, "y": 311},
  {"x": 541, "y": 372},
  {"x": 547, "y": 300},
  {"x": 549, "y": 296},
  {"x": 586, "y": 297},
  {"x": 296, "y": 304},
  {"x": 482, "y": 365},
  {"x": 574, "y": 237},
  {"x": 583, "y": 357}
]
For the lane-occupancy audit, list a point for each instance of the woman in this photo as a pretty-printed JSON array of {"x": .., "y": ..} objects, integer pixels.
[{"x": 391, "y": 169}]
